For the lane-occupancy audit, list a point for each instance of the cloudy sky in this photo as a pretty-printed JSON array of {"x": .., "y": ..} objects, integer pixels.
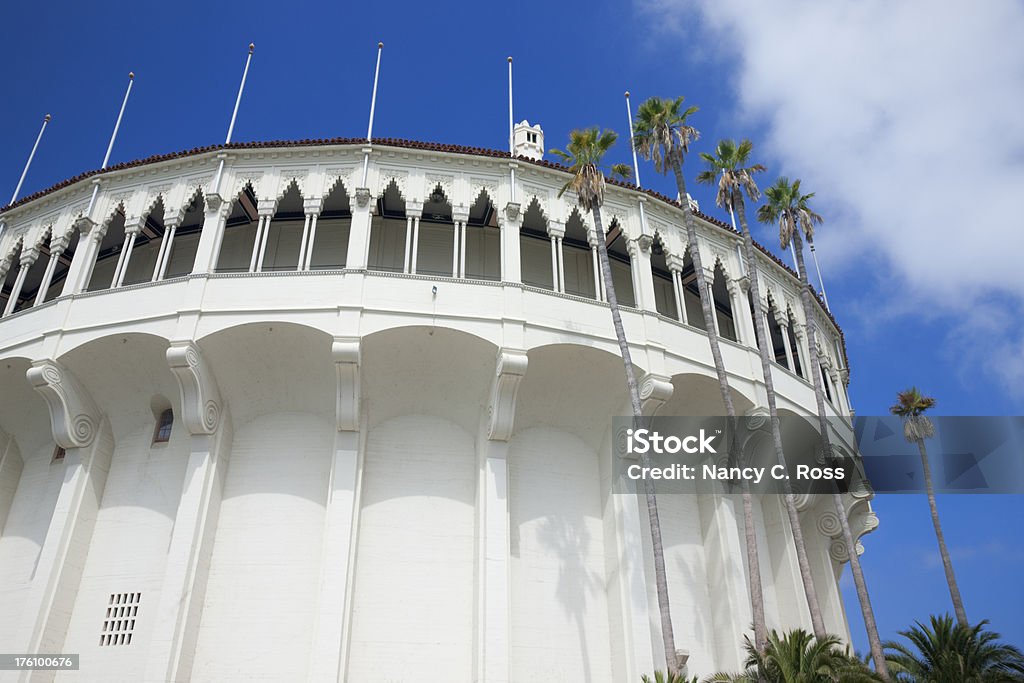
[{"x": 904, "y": 117}]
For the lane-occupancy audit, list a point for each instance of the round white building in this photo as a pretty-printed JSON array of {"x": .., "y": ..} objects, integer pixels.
[{"x": 325, "y": 423}]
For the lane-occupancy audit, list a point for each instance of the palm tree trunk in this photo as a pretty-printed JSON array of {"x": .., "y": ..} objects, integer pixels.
[
  {"x": 947, "y": 564},
  {"x": 749, "y": 533},
  {"x": 870, "y": 626},
  {"x": 657, "y": 547},
  {"x": 810, "y": 591}
]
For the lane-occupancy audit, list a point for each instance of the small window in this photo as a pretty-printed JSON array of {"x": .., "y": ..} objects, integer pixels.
[
  {"x": 58, "y": 453},
  {"x": 163, "y": 427}
]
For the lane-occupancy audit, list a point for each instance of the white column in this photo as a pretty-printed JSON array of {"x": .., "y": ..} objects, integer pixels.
[
  {"x": 675, "y": 268},
  {"x": 256, "y": 244},
  {"x": 56, "y": 249},
  {"x": 79, "y": 262},
  {"x": 711, "y": 298},
  {"x": 415, "y": 243},
  {"x": 491, "y": 654},
  {"x": 742, "y": 316},
  {"x": 329, "y": 655},
  {"x": 311, "y": 207},
  {"x": 176, "y": 618},
  {"x": 27, "y": 259},
  {"x": 115, "y": 279},
  {"x": 359, "y": 234},
  {"x": 312, "y": 242},
  {"x": 455, "y": 249},
  {"x": 561, "y": 267},
  {"x": 634, "y": 602},
  {"x": 80, "y": 429},
  {"x": 302, "y": 246},
  {"x": 462, "y": 253},
  {"x": 408, "y": 244},
  {"x": 509, "y": 222},
  {"x": 126, "y": 255},
  {"x": 597, "y": 273},
  {"x": 212, "y": 236},
  {"x": 786, "y": 344},
  {"x": 735, "y": 295},
  {"x": 554, "y": 264},
  {"x": 677, "y": 292},
  {"x": 263, "y": 242},
  {"x": 800, "y": 332},
  {"x": 170, "y": 231},
  {"x": 640, "y": 263},
  {"x": 767, "y": 333}
]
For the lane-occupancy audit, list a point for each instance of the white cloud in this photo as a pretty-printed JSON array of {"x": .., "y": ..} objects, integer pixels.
[{"x": 906, "y": 119}]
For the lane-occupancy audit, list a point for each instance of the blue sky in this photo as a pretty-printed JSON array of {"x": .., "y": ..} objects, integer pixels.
[{"x": 906, "y": 120}]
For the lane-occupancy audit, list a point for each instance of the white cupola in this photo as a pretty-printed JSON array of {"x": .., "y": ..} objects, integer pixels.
[{"x": 528, "y": 141}]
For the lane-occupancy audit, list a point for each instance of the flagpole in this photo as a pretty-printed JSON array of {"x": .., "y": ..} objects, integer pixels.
[
  {"x": 373, "y": 109},
  {"x": 110, "y": 145},
  {"x": 821, "y": 283},
  {"x": 14, "y": 197},
  {"x": 511, "y": 133},
  {"x": 234, "y": 115},
  {"x": 636, "y": 166}
]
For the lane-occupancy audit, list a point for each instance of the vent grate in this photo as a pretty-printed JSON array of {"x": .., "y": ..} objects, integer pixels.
[{"x": 119, "y": 622}]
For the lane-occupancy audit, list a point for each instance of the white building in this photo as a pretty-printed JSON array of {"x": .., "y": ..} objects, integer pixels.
[{"x": 324, "y": 427}]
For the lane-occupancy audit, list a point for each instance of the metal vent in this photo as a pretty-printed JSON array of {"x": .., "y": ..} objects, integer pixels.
[{"x": 119, "y": 622}]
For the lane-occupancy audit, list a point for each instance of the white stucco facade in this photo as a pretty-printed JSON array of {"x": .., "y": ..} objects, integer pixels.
[{"x": 391, "y": 441}]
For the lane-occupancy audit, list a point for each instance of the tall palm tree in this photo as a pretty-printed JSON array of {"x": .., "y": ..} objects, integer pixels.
[
  {"x": 791, "y": 210},
  {"x": 952, "y": 653},
  {"x": 911, "y": 406},
  {"x": 584, "y": 157},
  {"x": 798, "y": 657},
  {"x": 663, "y": 134}
]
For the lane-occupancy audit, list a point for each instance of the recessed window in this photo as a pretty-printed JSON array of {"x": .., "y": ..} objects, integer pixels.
[
  {"x": 119, "y": 620},
  {"x": 58, "y": 453},
  {"x": 163, "y": 427}
]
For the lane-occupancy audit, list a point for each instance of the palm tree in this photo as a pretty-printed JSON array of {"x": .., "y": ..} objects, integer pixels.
[
  {"x": 584, "y": 157},
  {"x": 662, "y": 134},
  {"x": 798, "y": 657},
  {"x": 952, "y": 653},
  {"x": 787, "y": 206},
  {"x": 911, "y": 405}
]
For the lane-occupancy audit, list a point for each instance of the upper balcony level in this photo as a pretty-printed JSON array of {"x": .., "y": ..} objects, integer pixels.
[{"x": 356, "y": 238}]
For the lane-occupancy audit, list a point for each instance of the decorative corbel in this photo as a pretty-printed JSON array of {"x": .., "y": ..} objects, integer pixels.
[
  {"x": 345, "y": 352},
  {"x": 74, "y": 417},
  {"x": 362, "y": 197},
  {"x": 200, "y": 397},
  {"x": 511, "y": 367},
  {"x": 655, "y": 390},
  {"x": 512, "y": 210}
]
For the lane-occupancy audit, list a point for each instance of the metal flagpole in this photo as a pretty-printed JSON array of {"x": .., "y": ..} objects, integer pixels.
[
  {"x": 511, "y": 132},
  {"x": 234, "y": 115},
  {"x": 110, "y": 146},
  {"x": 821, "y": 283},
  {"x": 14, "y": 197},
  {"x": 373, "y": 108},
  {"x": 636, "y": 166}
]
